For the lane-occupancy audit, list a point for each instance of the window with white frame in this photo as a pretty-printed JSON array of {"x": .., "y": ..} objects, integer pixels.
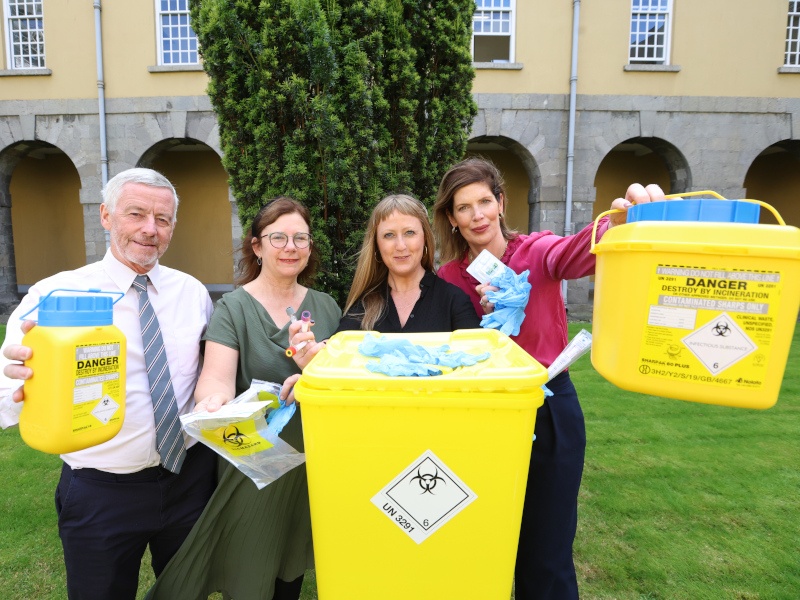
[
  {"x": 493, "y": 31},
  {"x": 24, "y": 25},
  {"x": 650, "y": 32},
  {"x": 793, "y": 35},
  {"x": 177, "y": 41}
]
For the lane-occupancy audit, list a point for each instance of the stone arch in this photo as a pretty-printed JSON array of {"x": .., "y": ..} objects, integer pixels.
[
  {"x": 152, "y": 154},
  {"x": 642, "y": 160},
  {"x": 208, "y": 231},
  {"x": 134, "y": 136},
  {"x": 680, "y": 175},
  {"x": 42, "y": 173},
  {"x": 774, "y": 177},
  {"x": 790, "y": 146}
]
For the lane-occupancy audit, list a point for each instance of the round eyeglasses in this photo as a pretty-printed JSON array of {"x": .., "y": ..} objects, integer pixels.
[{"x": 279, "y": 239}]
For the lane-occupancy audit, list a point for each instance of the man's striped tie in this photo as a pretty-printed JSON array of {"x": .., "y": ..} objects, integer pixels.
[{"x": 169, "y": 439}]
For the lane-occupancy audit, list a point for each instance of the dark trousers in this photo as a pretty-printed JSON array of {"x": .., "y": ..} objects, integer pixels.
[
  {"x": 106, "y": 521},
  {"x": 545, "y": 569},
  {"x": 288, "y": 590}
]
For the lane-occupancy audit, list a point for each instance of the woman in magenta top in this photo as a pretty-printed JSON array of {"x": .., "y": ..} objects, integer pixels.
[{"x": 468, "y": 218}]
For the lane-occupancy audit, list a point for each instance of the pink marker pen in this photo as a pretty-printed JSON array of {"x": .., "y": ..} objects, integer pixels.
[{"x": 305, "y": 317}]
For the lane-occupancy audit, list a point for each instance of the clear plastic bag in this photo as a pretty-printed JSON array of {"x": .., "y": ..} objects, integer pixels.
[
  {"x": 577, "y": 347},
  {"x": 242, "y": 433}
]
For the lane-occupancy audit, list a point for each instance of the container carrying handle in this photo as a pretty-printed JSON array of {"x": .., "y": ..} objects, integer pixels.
[
  {"x": 594, "y": 226},
  {"x": 89, "y": 291},
  {"x": 769, "y": 207}
]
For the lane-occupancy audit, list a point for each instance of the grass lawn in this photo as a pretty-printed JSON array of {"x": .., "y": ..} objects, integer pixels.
[
  {"x": 688, "y": 501},
  {"x": 679, "y": 500}
]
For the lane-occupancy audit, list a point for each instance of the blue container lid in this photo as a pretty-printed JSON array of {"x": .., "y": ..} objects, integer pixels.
[
  {"x": 704, "y": 210},
  {"x": 76, "y": 311}
]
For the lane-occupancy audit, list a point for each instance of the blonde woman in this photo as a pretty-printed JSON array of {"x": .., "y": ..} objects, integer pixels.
[{"x": 395, "y": 289}]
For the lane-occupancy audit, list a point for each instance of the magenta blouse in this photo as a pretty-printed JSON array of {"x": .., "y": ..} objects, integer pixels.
[{"x": 550, "y": 258}]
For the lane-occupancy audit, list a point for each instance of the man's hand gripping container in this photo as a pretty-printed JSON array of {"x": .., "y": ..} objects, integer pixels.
[
  {"x": 417, "y": 483},
  {"x": 695, "y": 300}
]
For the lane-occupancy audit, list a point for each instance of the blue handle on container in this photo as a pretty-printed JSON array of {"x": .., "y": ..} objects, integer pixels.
[
  {"x": 697, "y": 210},
  {"x": 94, "y": 309}
]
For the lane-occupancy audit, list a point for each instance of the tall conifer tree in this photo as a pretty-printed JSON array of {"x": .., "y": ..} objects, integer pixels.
[{"x": 337, "y": 103}]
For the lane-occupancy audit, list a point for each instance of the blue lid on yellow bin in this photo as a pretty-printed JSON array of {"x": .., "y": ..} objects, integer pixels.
[
  {"x": 702, "y": 210},
  {"x": 76, "y": 311}
]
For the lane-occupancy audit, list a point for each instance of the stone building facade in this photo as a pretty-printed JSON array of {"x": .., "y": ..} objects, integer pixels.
[{"x": 728, "y": 121}]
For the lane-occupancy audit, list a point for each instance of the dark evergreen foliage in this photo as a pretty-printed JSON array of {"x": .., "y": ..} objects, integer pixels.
[{"x": 337, "y": 103}]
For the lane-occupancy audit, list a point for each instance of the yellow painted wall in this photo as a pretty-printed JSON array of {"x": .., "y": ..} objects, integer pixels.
[
  {"x": 542, "y": 46},
  {"x": 69, "y": 54},
  {"x": 202, "y": 245},
  {"x": 46, "y": 217},
  {"x": 728, "y": 48},
  {"x": 129, "y": 40},
  {"x": 129, "y": 48},
  {"x": 724, "y": 49},
  {"x": 619, "y": 169},
  {"x": 775, "y": 179}
]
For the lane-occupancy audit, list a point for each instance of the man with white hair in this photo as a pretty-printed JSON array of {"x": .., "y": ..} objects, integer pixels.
[{"x": 149, "y": 483}]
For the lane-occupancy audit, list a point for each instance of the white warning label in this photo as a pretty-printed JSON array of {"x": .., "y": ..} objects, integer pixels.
[
  {"x": 105, "y": 409},
  {"x": 719, "y": 343},
  {"x": 423, "y": 497}
]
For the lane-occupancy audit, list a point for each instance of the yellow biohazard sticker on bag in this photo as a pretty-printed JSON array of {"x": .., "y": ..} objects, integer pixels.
[
  {"x": 238, "y": 439},
  {"x": 239, "y": 433},
  {"x": 710, "y": 325}
]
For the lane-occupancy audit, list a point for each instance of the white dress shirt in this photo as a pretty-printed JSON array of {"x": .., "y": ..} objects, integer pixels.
[{"x": 183, "y": 308}]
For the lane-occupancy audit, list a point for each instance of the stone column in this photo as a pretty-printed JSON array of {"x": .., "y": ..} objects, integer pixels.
[
  {"x": 8, "y": 269},
  {"x": 93, "y": 232}
]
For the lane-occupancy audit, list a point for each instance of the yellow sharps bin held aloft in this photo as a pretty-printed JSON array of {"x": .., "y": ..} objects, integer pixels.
[
  {"x": 416, "y": 484},
  {"x": 695, "y": 300},
  {"x": 76, "y": 397}
]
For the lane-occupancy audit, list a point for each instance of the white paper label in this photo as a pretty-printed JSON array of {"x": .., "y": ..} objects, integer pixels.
[
  {"x": 423, "y": 497},
  {"x": 719, "y": 344},
  {"x": 485, "y": 266}
]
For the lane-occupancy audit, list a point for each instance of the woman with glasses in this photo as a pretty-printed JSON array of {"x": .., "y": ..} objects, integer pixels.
[{"x": 252, "y": 543}]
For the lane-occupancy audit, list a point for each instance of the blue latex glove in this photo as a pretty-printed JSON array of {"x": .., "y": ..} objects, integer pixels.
[
  {"x": 400, "y": 357},
  {"x": 395, "y": 366},
  {"x": 380, "y": 346},
  {"x": 509, "y": 301},
  {"x": 460, "y": 359},
  {"x": 278, "y": 418}
]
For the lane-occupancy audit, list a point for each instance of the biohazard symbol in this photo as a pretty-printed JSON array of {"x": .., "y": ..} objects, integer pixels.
[
  {"x": 722, "y": 329},
  {"x": 233, "y": 436},
  {"x": 427, "y": 481}
]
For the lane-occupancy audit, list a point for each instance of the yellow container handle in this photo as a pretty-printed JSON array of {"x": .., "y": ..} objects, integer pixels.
[{"x": 769, "y": 207}]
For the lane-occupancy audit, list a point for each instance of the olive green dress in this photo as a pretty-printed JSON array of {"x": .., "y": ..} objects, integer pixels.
[{"x": 246, "y": 537}]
